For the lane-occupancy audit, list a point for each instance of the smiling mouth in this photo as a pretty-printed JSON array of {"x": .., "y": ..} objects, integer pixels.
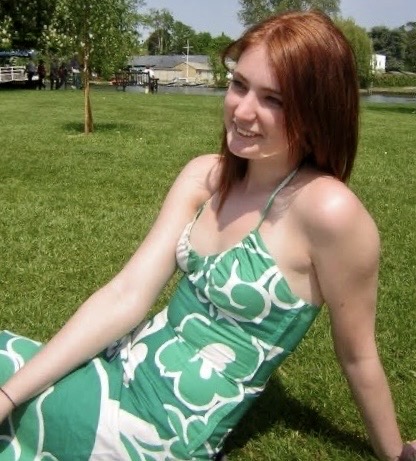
[{"x": 245, "y": 133}]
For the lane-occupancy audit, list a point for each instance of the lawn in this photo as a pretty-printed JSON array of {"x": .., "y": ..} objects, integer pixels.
[{"x": 74, "y": 208}]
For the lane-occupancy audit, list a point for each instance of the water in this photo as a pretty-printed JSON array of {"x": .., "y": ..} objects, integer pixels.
[
  {"x": 201, "y": 90},
  {"x": 389, "y": 99},
  {"x": 166, "y": 89},
  {"x": 373, "y": 98}
]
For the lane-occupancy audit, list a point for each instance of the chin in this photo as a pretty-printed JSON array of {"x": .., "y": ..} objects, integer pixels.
[
  {"x": 248, "y": 154},
  {"x": 241, "y": 149}
]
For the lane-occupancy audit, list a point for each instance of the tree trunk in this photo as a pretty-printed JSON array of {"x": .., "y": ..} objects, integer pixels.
[{"x": 88, "y": 122}]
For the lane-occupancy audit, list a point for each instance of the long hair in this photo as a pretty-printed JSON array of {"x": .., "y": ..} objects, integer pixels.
[{"x": 316, "y": 70}]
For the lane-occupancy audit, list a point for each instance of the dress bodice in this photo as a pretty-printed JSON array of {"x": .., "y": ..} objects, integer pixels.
[
  {"x": 203, "y": 359},
  {"x": 244, "y": 288}
]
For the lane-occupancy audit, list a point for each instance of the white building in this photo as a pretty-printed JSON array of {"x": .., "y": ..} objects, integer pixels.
[{"x": 378, "y": 63}]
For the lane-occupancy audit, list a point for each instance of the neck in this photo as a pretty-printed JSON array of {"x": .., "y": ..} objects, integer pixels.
[{"x": 266, "y": 176}]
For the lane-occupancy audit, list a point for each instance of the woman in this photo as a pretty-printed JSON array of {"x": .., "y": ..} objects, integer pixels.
[{"x": 266, "y": 233}]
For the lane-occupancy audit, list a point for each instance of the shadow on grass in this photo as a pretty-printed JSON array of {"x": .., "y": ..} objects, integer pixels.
[
  {"x": 276, "y": 407},
  {"x": 7, "y": 86},
  {"x": 397, "y": 109},
  {"x": 78, "y": 127}
]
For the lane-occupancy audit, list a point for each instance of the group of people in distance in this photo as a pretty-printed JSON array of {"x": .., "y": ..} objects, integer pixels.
[
  {"x": 266, "y": 233},
  {"x": 59, "y": 74}
]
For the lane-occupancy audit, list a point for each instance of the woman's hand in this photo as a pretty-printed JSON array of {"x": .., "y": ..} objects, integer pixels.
[{"x": 409, "y": 452}]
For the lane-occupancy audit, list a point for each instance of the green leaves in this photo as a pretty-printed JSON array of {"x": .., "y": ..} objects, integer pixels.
[
  {"x": 24, "y": 22},
  {"x": 105, "y": 30},
  {"x": 361, "y": 44},
  {"x": 253, "y": 11}
]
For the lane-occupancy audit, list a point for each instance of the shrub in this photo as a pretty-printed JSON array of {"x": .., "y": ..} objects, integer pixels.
[{"x": 395, "y": 79}]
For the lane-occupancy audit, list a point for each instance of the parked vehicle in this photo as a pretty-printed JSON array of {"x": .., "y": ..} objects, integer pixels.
[{"x": 13, "y": 65}]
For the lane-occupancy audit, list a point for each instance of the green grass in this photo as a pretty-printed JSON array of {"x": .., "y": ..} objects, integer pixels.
[{"x": 74, "y": 208}]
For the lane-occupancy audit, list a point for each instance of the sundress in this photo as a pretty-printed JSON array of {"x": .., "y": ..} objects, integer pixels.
[{"x": 174, "y": 387}]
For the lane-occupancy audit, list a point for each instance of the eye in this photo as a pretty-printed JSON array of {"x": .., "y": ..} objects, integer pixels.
[
  {"x": 237, "y": 85},
  {"x": 274, "y": 100}
]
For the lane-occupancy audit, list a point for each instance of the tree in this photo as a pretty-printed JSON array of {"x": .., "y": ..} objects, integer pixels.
[
  {"x": 161, "y": 22},
  {"x": 410, "y": 29},
  {"x": 201, "y": 43},
  {"x": 218, "y": 44},
  {"x": 392, "y": 43},
  {"x": 158, "y": 41},
  {"x": 361, "y": 44},
  {"x": 25, "y": 21},
  {"x": 253, "y": 11},
  {"x": 101, "y": 32},
  {"x": 6, "y": 32},
  {"x": 180, "y": 35}
]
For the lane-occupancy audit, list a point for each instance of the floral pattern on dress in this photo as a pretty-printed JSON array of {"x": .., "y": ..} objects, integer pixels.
[{"x": 207, "y": 369}]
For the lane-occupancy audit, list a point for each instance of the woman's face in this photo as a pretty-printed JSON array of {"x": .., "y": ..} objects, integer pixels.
[{"x": 253, "y": 111}]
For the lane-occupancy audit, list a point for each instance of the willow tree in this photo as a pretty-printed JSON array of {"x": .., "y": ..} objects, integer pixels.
[
  {"x": 102, "y": 33},
  {"x": 253, "y": 11},
  {"x": 361, "y": 45}
]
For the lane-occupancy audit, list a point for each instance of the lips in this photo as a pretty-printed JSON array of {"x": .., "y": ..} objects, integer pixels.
[{"x": 245, "y": 133}]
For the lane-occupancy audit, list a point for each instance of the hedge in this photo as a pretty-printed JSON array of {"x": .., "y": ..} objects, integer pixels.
[{"x": 394, "y": 80}]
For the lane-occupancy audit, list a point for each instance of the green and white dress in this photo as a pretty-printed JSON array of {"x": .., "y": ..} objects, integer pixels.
[{"x": 174, "y": 387}]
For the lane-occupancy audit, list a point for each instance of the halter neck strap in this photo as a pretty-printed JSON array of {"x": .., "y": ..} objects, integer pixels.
[{"x": 269, "y": 203}]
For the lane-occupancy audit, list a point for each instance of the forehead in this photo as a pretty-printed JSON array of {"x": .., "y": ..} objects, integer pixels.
[{"x": 254, "y": 65}]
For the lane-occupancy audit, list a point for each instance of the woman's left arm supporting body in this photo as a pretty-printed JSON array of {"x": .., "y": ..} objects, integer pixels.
[{"x": 345, "y": 254}]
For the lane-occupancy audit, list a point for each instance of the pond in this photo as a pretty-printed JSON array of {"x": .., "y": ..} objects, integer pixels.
[
  {"x": 202, "y": 90},
  {"x": 373, "y": 98},
  {"x": 387, "y": 98}
]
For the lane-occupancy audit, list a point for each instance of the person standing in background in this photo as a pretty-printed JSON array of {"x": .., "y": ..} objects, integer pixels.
[
  {"x": 41, "y": 75},
  {"x": 149, "y": 85},
  {"x": 63, "y": 75},
  {"x": 76, "y": 72},
  {"x": 30, "y": 71},
  {"x": 54, "y": 75}
]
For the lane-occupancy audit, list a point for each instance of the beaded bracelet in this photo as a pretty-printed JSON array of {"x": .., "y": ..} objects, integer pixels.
[{"x": 8, "y": 397}]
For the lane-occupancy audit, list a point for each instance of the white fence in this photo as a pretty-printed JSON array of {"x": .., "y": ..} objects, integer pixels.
[{"x": 12, "y": 74}]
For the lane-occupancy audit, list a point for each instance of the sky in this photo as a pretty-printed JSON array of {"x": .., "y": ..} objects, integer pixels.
[{"x": 217, "y": 16}]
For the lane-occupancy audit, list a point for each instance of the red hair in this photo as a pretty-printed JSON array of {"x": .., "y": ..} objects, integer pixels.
[{"x": 315, "y": 67}]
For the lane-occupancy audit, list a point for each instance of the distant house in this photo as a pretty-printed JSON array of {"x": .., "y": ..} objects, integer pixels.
[
  {"x": 378, "y": 63},
  {"x": 190, "y": 69},
  {"x": 198, "y": 72}
]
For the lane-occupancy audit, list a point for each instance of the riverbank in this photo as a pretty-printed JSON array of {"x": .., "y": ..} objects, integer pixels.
[{"x": 393, "y": 91}]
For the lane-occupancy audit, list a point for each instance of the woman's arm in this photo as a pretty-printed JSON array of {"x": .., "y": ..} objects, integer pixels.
[
  {"x": 345, "y": 253},
  {"x": 122, "y": 303}
]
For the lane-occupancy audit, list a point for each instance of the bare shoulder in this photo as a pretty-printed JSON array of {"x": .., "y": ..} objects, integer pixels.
[
  {"x": 331, "y": 212},
  {"x": 194, "y": 185},
  {"x": 201, "y": 173}
]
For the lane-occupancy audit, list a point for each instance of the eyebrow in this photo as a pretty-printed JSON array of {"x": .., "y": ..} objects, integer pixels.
[{"x": 266, "y": 88}]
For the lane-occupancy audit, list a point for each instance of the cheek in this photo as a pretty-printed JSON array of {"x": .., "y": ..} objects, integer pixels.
[{"x": 280, "y": 123}]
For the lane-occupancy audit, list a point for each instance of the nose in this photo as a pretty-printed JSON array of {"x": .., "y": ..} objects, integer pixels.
[{"x": 246, "y": 107}]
